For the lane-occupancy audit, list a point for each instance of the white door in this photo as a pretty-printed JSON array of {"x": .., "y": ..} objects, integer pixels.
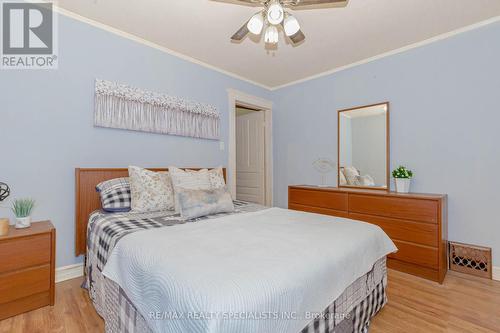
[{"x": 250, "y": 156}]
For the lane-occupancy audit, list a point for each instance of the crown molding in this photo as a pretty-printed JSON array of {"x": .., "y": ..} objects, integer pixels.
[
  {"x": 252, "y": 100},
  {"x": 145, "y": 42},
  {"x": 393, "y": 52},
  {"x": 140, "y": 40}
]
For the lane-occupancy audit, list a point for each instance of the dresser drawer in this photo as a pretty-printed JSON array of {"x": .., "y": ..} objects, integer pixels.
[
  {"x": 418, "y": 270},
  {"x": 416, "y": 254},
  {"x": 396, "y": 229},
  {"x": 28, "y": 303},
  {"x": 417, "y": 223},
  {"x": 408, "y": 209},
  {"x": 24, "y": 252},
  {"x": 324, "y": 199},
  {"x": 24, "y": 283},
  {"x": 318, "y": 210}
]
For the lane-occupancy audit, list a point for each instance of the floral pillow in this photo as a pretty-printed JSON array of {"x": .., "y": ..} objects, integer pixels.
[
  {"x": 343, "y": 181},
  {"x": 216, "y": 178},
  {"x": 150, "y": 191},
  {"x": 350, "y": 174}
]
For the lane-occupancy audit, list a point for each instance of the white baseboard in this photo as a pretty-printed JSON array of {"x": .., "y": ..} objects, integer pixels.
[
  {"x": 496, "y": 273},
  {"x": 69, "y": 272}
]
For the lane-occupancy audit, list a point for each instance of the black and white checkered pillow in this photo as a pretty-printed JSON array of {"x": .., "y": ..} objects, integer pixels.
[{"x": 115, "y": 195}]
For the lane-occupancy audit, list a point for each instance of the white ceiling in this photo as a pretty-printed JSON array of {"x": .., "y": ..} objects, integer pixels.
[{"x": 336, "y": 37}]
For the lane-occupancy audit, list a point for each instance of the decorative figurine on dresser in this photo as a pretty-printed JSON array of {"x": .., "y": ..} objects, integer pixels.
[
  {"x": 4, "y": 222},
  {"x": 4, "y": 191}
]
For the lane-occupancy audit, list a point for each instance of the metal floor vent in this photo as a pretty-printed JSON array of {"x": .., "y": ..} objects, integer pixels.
[{"x": 471, "y": 259}]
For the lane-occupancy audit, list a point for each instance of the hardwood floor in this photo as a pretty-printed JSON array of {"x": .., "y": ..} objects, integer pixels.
[
  {"x": 461, "y": 304},
  {"x": 72, "y": 313}
]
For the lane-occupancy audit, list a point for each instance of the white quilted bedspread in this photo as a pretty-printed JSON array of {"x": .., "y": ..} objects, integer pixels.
[{"x": 265, "y": 271}]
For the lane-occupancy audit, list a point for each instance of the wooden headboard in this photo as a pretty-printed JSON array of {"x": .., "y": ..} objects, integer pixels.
[{"x": 87, "y": 199}]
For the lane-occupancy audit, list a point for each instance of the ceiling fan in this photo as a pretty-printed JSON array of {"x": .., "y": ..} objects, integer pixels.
[{"x": 275, "y": 15}]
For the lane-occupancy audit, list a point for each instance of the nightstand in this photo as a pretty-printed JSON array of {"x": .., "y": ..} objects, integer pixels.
[{"x": 27, "y": 269}]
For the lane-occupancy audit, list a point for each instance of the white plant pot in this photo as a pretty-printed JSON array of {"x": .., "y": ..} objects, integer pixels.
[
  {"x": 23, "y": 222},
  {"x": 402, "y": 185}
]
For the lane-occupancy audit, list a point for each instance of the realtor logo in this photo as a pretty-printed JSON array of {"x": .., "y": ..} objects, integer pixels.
[{"x": 28, "y": 36}]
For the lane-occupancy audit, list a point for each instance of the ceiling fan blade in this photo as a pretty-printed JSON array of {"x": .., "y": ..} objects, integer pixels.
[
  {"x": 297, "y": 38},
  {"x": 241, "y": 33},
  {"x": 305, "y": 3}
]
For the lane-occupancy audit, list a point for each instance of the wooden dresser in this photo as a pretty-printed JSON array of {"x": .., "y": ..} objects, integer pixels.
[
  {"x": 417, "y": 223},
  {"x": 27, "y": 269}
]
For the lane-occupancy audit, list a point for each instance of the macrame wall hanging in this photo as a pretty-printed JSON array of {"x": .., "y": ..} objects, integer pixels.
[{"x": 120, "y": 106}]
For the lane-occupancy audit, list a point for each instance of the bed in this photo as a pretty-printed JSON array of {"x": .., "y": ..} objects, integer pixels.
[{"x": 257, "y": 269}]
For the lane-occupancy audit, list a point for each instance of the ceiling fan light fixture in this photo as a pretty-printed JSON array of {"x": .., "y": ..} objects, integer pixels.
[
  {"x": 271, "y": 36},
  {"x": 256, "y": 24},
  {"x": 291, "y": 25},
  {"x": 275, "y": 13}
]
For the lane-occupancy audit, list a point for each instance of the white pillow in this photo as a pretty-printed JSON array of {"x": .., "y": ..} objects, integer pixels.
[
  {"x": 216, "y": 178},
  {"x": 150, "y": 191},
  {"x": 343, "y": 181},
  {"x": 365, "y": 180},
  {"x": 350, "y": 174},
  {"x": 189, "y": 179},
  {"x": 196, "y": 203}
]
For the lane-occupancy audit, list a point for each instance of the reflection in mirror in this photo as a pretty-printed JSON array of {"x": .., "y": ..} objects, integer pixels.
[{"x": 363, "y": 143}]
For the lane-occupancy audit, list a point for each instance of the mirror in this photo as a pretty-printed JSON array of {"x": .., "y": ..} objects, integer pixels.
[{"x": 363, "y": 147}]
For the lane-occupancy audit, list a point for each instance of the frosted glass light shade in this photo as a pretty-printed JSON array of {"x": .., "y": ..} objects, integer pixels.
[
  {"x": 256, "y": 24},
  {"x": 275, "y": 13},
  {"x": 291, "y": 26},
  {"x": 271, "y": 35}
]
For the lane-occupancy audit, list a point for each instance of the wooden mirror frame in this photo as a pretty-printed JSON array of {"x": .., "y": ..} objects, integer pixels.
[{"x": 388, "y": 148}]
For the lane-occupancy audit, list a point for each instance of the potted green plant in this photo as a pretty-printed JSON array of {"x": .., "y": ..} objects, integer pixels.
[
  {"x": 22, "y": 209},
  {"x": 402, "y": 177}
]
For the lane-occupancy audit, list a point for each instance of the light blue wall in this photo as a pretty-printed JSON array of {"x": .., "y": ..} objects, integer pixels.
[
  {"x": 345, "y": 141},
  {"x": 445, "y": 125},
  {"x": 46, "y": 120},
  {"x": 369, "y": 149}
]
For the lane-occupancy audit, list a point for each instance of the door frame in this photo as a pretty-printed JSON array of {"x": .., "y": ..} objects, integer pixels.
[{"x": 239, "y": 98}]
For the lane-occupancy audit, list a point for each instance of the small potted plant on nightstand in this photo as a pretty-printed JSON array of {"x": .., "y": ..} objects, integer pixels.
[
  {"x": 22, "y": 209},
  {"x": 402, "y": 177}
]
